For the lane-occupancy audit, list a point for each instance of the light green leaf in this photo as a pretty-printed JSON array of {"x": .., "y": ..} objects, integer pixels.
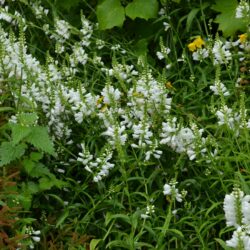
[
  {"x": 45, "y": 183},
  {"x": 6, "y": 109},
  {"x": 19, "y": 132},
  {"x": 27, "y": 119},
  {"x": 110, "y": 13},
  {"x": 28, "y": 165},
  {"x": 94, "y": 243},
  {"x": 222, "y": 244},
  {"x": 228, "y": 24},
  {"x": 142, "y": 9},
  {"x": 10, "y": 152},
  {"x": 39, "y": 137}
]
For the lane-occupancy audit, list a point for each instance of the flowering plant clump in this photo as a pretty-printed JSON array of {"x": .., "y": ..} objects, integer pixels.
[
  {"x": 93, "y": 122},
  {"x": 237, "y": 213}
]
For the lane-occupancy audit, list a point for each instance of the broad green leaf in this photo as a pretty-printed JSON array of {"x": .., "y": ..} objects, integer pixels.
[
  {"x": 141, "y": 47},
  {"x": 27, "y": 119},
  {"x": 39, "y": 137},
  {"x": 45, "y": 183},
  {"x": 19, "y": 132},
  {"x": 30, "y": 188},
  {"x": 110, "y": 13},
  {"x": 39, "y": 170},
  {"x": 142, "y": 9},
  {"x": 10, "y": 152},
  {"x": 28, "y": 165},
  {"x": 25, "y": 200},
  {"x": 228, "y": 24},
  {"x": 36, "y": 156}
]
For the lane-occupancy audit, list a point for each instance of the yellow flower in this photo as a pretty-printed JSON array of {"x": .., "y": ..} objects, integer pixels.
[
  {"x": 192, "y": 47},
  {"x": 243, "y": 38},
  {"x": 199, "y": 42}
]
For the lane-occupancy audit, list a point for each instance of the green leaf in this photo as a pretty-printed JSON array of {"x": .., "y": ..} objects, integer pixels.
[
  {"x": 28, "y": 165},
  {"x": 39, "y": 137},
  {"x": 191, "y": 17},
  {"x": 27, "y": 119},
  {"x": 41, "y": 170},
  {"x": 30, "y": 188},
  {"x": 228, "y": 24},
  {"x": 45, "y": 183},
  {"x": 6, "y": 109},
  {"x": 36, "y": 156},
  {"x": 110, "y": 13},
  {"x": 94, "y": 243},
  {"x": 222, "y": 244},
  {"x": 141, "y": 47},
  {"x": 25, "y": 200},
  {"x": 62, "y": 218},
  {"x": 10, "y": 152},
  {"x": 142, "y": 9},
  {"x": 19, "y": 132}
]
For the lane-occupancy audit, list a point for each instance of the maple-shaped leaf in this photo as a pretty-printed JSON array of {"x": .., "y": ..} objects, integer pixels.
[{"x": 227, "y": 21}]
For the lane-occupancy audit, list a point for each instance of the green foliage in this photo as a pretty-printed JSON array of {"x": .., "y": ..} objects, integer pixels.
[
  {"x": 126, "y": 207},
  {"x": 111, "y": 13},
  {"x": 228, "y": 24},
  {"x": 39, "y": 138},
  {"x": 142, "y": 9},
  {"x": 9, "y": 152},
  {"x": 22, "y": 134}
]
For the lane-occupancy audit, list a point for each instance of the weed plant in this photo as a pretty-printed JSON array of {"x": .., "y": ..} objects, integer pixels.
[{"x": 124, "y": 139}]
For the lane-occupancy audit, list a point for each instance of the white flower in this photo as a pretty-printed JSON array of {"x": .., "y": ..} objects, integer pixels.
[
  {"x": 221, "y": 54},
  {"x": 245, "y": 206},
  {"x": 36, "y": 238},
  {"x": 116, "y": 134},
  {"x": 62, "y": 29},
  {"x": 200, "y": 54},
  {"x": 110, "y": 94},
  {"x": 230, "y": 210},
  {"x": 167, "y": 189},
  {"x": 218, "y": 88},
  {"x": 242, "y": 10},
  {"x": 166, "y": 26},
  {"x": 160, "y": 55}
]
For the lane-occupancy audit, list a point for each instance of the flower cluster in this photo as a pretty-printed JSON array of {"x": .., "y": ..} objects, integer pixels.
[
  {"x": 171, "y": 190},
  {"x": 242, "y": 10},
  {"x": 100, "y": 166},
  {"x": 237, "y": 212},
  {"x": 182, "y": 140}
]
